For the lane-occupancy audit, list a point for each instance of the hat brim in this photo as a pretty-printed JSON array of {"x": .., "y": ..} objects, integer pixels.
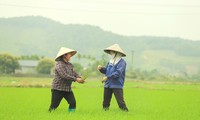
[
  {"x": 60, "y": 57},
  {"x": 108, "y": 52}
]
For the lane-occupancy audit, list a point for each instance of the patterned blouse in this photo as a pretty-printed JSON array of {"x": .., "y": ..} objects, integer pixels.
[{"x": 64, "y": 75}]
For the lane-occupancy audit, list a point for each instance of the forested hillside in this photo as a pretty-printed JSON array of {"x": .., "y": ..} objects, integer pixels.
[{"x": 42, "y": 36}]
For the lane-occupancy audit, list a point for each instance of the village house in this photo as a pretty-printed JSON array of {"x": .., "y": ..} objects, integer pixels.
[{"x": 27, "y": 67}]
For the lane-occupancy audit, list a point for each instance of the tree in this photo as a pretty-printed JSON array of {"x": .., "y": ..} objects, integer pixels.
[
  {"x": 30, "y": 57},
  {"x": 45, "y": 66},
  {"x": 93, "y": 66},
  {"x": 8, "y": 63},
  {"x": 78, "y": 67}
]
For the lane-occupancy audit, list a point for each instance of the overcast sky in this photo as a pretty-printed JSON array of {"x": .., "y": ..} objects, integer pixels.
[{"x": 172, "y": 18}]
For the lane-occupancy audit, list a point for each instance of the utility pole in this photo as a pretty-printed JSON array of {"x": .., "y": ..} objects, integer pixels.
[{"x": 132, "y": 54}]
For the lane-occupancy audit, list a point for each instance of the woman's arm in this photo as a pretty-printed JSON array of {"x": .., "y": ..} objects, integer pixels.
[{"x": 63, "y": 71}]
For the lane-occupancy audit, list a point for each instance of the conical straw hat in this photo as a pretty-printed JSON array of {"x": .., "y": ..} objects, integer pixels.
[
  {"x": 115, "y": 48},
  {"x": 63, "y": 51}
]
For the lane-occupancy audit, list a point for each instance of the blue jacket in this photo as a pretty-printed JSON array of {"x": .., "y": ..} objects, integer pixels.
[{"x": 115, "y": 74}]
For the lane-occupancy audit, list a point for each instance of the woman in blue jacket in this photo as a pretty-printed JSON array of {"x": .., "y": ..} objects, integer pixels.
[{"x": 114, "y": 77}]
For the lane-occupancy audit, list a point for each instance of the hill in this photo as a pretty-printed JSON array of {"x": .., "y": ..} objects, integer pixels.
[{"x": 42, "y": 36}]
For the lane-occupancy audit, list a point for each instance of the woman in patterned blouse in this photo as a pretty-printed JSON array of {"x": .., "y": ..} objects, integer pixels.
[{"x": 63, "y": 78}]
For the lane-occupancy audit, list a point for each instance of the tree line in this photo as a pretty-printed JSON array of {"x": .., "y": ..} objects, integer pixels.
[{"x": 9, "y": 63}]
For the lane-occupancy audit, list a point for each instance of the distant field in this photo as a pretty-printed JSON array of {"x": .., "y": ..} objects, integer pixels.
[{"x": 145, "y": 100}]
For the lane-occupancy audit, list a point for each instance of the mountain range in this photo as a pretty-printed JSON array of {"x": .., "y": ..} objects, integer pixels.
[{"x": 30, "y": 35}]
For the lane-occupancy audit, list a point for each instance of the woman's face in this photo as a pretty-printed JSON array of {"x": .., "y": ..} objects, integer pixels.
[
  {"x": 67, "y": 56},
  {"x": 112, "y": 52}
]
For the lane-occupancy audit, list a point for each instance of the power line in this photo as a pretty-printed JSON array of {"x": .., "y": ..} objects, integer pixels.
[
  {"x": 138, "y": 4},
  {"x": 99, "y": 11}
]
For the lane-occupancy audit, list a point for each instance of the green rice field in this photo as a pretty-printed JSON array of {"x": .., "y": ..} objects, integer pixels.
[{"x": 145, "y": 100}]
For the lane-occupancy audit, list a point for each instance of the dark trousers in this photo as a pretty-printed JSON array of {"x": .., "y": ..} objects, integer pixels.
[
  {"x": 57, "y": 97},
  {"x": 118, "y": 92}
]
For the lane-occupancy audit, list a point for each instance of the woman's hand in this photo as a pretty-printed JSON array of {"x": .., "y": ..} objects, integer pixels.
[
  {"x": 104, "y": 79},
  {"x": 80, "y": 80},
  {"x": 99, "y": 67}
]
